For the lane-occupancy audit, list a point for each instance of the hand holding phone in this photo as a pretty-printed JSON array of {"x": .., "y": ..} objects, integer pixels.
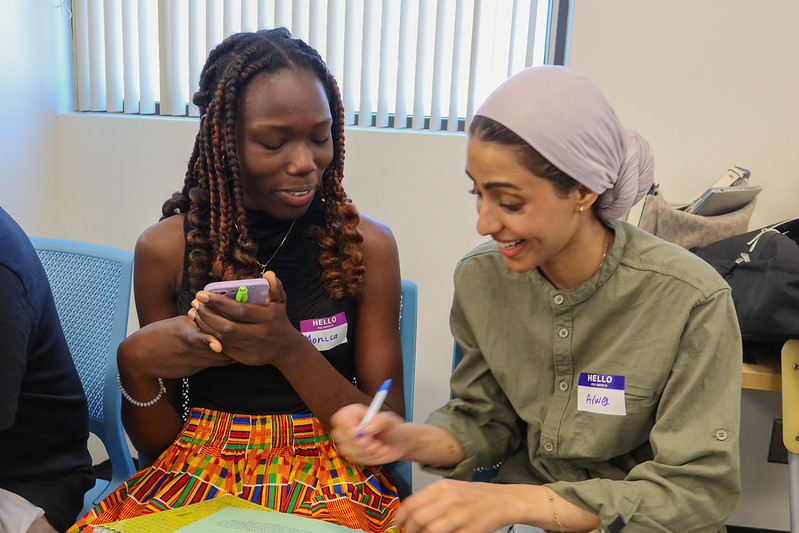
[{"x": 253, "y": 290}]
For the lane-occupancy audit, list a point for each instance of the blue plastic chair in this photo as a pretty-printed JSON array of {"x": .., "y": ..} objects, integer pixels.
[
  {"x": 400, "y": 471},
  {"x": 91, "y": 285}
]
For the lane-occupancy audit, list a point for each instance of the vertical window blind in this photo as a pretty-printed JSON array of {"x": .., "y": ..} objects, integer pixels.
[{"x": 422, "y": 64}]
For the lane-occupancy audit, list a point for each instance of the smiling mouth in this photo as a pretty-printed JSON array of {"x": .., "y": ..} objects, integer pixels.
[
  {"x": 296, "y": 198},
  {"x": 509, "y": 244}
]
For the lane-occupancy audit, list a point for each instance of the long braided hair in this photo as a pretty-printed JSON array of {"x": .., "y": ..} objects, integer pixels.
[{"x": 218, "y": 241}]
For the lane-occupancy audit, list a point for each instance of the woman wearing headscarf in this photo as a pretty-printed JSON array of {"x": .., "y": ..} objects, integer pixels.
[{"x": 601, "y": 365}]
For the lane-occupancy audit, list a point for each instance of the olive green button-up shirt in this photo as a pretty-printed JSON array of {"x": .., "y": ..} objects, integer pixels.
[{"x": 622, "y": 394}]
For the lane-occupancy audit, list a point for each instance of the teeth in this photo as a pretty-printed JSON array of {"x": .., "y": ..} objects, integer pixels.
[
  {"x": 298, "y": 193},
  {"x": 509, "y": 244}
]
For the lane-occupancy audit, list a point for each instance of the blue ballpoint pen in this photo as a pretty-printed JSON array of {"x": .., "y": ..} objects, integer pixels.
[{"x": 374, "y": 407}]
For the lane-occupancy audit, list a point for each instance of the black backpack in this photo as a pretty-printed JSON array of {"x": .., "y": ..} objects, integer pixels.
[{"x": 762, "y": 269}]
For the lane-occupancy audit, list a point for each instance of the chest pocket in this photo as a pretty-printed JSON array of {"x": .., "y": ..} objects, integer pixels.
[{"x": 600, "y": 437}]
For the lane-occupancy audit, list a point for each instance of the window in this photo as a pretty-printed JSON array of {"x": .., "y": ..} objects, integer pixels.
[{"x": 428, "y": 62}]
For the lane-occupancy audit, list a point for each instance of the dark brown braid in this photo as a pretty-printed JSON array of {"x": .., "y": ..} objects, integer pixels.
[{"x": 217, "y": 238}]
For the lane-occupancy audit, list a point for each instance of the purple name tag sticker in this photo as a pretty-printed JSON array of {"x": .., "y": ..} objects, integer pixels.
[
  {"x": 601, "y": 393},
  {"x": 325, "y": 333}
]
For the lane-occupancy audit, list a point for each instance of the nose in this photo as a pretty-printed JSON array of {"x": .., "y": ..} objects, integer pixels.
[
  {"x": 301, "y": 160},
  {"x": 487, "y": 221}
]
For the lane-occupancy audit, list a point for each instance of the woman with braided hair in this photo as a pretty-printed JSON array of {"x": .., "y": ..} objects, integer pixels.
[{"x": 233, "y": 397}]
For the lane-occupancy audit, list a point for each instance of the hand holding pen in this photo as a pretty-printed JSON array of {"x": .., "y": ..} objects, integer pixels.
[
  {"x": 374, "y": 407},
  {"x": 368, "y": 435}
]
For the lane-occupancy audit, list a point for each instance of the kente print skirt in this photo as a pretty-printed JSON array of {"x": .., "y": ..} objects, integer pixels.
[{"x": 285, "y": 462}]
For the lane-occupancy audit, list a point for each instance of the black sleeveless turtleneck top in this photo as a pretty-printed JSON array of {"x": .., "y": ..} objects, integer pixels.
[{"x": 328, "y": 324}]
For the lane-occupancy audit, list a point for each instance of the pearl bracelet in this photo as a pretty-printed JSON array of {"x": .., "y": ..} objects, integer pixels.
[{"x": 137, "y": 403}]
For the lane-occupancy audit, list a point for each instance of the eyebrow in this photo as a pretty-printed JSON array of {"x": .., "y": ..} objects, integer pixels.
[
  {"x": 496, "y": 184},
  {"x": 285, "y": 127}
]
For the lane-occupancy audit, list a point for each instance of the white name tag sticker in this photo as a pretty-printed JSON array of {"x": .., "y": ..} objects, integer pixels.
[
  {"x": 601, "y": 393},
  {"x": 325, "y": 333}
]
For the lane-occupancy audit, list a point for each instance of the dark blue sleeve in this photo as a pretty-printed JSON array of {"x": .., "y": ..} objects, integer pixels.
[{"x": 15, "y": 330}]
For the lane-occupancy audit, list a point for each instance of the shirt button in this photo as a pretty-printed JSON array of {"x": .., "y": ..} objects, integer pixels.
[
  {"x": 722, "y": 434},
  {"x": 564, "y": 386},
  {"x": 548, "y": 446},
  {"x": 558, "y": 299},
  {"x": 563, "y": 333}
]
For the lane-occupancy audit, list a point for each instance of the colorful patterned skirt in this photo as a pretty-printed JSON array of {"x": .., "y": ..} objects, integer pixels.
[{"x": 285, "y": 462}]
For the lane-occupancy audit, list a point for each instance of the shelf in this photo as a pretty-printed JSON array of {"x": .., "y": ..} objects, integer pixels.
[{"x": 764, "y": 375}]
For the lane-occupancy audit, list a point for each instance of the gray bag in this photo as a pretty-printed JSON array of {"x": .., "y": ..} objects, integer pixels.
[{"x": 670, "y": 223}]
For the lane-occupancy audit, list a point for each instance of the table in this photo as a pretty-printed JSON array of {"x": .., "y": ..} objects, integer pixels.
[{"x": 764, "y": 374}]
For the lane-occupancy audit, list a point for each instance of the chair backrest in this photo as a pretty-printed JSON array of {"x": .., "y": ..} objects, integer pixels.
[
  {"x": 407, "y": 327},
  {"x": 457, "y": 355},
  {"x": 91, "y": 286},
  {"x": 400, "y": 471},
  {"x": 790, "y": 426}
]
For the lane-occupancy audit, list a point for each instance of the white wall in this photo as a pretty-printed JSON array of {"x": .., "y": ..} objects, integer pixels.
[
  {"x": 709, "y": 83},
  {"x": 34, "y": 86}
]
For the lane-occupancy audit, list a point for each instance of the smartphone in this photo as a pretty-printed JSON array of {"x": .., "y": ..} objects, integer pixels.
[{"x": 254, "y": 290}]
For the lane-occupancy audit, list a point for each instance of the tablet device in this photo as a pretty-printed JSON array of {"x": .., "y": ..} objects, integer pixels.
[
  {"x": 721, "y": 200},
  {"x": 734, "y": 177}
]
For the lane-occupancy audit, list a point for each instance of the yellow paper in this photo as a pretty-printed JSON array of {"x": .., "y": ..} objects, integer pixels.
[
  {"x": 172, "y": 519},
  {"x": 231, "y": 520}
]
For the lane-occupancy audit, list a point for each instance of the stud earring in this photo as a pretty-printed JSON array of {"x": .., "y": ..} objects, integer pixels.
[{"x": 580, "y": 210}]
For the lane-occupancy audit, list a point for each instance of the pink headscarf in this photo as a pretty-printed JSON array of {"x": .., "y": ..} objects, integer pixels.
[{"x": 567, "y": 119}]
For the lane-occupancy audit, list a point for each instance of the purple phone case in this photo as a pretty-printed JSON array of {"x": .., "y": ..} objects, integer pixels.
[{"x": 257, "y": 289}]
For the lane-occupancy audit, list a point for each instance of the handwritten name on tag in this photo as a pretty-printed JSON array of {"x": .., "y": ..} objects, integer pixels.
[
  {"x": 325, "y": 333},
  {"x": 601, "y": 393}
]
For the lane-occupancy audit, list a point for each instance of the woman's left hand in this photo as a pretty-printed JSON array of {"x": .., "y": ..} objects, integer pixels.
[
  {"x": 457, "y": 507},
  {"x": 251, "y": 334}
]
